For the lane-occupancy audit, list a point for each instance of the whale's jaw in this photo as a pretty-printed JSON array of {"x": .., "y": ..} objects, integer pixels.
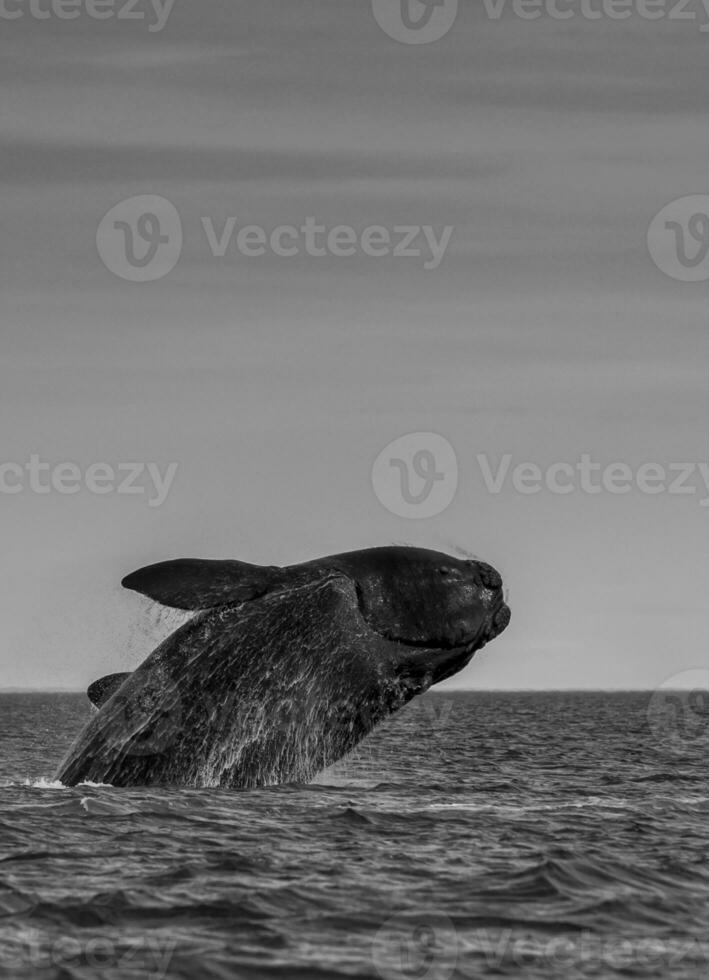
[{"x": 423, "y": 666}]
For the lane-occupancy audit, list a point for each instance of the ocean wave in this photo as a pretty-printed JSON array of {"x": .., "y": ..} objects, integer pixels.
[{"x": 511, "y": 835}]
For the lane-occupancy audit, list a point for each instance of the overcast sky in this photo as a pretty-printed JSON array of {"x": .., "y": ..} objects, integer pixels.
[{"x": 546, "y": 332}]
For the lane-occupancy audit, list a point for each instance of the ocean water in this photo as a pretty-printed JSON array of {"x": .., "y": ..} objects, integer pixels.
[{"x": 473, "y": 835}]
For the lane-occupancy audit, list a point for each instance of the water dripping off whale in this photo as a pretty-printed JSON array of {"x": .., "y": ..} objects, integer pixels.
[{"x": 282, "y": 670}]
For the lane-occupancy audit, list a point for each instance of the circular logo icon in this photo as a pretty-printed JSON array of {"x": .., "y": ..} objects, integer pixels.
[
  {"x": 678, "y": 712},
  {"x": 416, "y": 947},
  {"x": 416, "y": 476},
  {"x": 415, "y": 21},
  {"x": 140, "y": 239},
  {"x": 678, "y": 239}
]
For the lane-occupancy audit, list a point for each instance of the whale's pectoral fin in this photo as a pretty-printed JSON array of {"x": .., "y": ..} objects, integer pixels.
[
  {"x": 101, "y": 690},
  {"x": 194, "y": 583}
]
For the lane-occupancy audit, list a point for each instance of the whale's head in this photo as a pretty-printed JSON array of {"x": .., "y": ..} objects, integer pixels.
[{"x": 430, "y": 600}]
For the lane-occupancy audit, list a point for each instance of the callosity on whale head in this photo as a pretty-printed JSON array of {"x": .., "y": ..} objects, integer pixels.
[{"x": 283, "y": 670}]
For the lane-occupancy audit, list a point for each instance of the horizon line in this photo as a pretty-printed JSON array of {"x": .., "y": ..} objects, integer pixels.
[{"x": 453, "y": 690}]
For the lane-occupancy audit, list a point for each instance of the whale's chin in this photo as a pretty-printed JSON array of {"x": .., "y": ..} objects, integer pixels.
[
  {"x": 500, "y": 621},
  {"x": 429, "y": 664}
]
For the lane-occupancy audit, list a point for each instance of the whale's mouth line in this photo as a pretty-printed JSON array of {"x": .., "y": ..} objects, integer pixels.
[
  {"x": 492, "y": 627},
  {"x": 443, "y": 645}
]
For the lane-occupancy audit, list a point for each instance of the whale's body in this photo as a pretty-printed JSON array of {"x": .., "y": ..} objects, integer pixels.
[{"x": 284, "y": 670}]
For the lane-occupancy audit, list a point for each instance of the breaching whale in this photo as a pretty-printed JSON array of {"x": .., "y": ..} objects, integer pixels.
[{"x": 282, "y": 671}]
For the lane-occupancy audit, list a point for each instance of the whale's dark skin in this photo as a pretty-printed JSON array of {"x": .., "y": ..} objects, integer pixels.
[
  {"x": 283, "y": 670},
  {"x": 101, "y": 690}
]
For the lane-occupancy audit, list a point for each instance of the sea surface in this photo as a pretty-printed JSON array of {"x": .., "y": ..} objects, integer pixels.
[{"x": 473, "y": 835}]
